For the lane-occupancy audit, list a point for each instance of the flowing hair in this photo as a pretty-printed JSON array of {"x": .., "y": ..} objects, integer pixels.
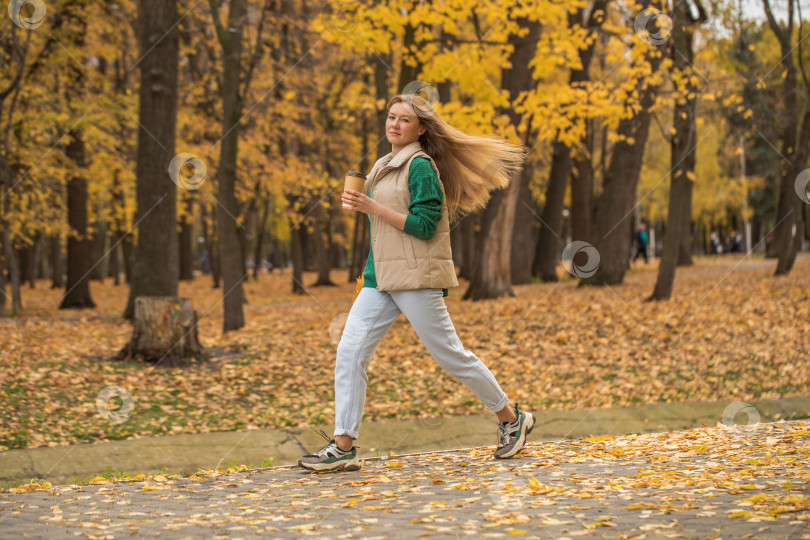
[{"x": 470, "y": 167}]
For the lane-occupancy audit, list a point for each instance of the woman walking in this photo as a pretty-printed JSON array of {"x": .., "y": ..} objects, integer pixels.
[{"x": 433, "y": 172}]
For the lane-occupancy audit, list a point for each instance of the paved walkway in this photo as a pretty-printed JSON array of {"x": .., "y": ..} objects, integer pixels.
[
  {"x": 715, "y": 482},
  {"x": 187, "y": 453}
]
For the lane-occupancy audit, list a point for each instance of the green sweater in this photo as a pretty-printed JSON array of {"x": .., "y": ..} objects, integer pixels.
[{"x": 425, "y": 210}]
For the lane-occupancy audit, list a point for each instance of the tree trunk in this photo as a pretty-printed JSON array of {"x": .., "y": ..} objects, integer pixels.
[
  {"x": 155, "y": 265},
  {"x": 360, "y": 240},
  {"x": 468, "y": 245},
  {"x": 788, "y": 215},
  {"x": 795, "y": 143},
  {"x": 42, "y": 257},
  {"x": 524, "y": 237},
  {"x": 115, "y": 265},
  {"x": 457, "y": 246},
  {"x": 260, "y": 233},
  {"x": 582, "y": 190},
  {"x": 249, "y": 224},
  {"x": 56, "y": 262},
  {"x": 613, "y": 212},
  {"x": 549, "y": 240},
  {"x": 97, "y": 248},
  {"x": 297, "y": 259},
  {"x": 360, "y": 246},
  {"x": 306, "y": 252},
  {"x": 209, "y": 238},
  {"x": 381, "y": 94},
  {"x": 409, "y": 66},
  {"x": 11, "y": 264},
  {"x": 26, "y": 257},
  {"x": 3, "y": 295},
  {"x": 13, "y": 267},
  {"x": 164, "y": 328},
  {"x": 186, "y": 241},
  {"x": 336, "y": 228},
  {"x": 230, "y": 247},
  {"x": 78, "y": 246},
  {"x": 806, "y": 220},
  {"x": 31, "y": 264},
  {"x": 493, "y": 274},
  {"x": 119, "y": 239},
  {"x": 685, "y": 250},
  {"x": 683, "y": 151},
  {"x": 321, "y": 253},
  {"x": 241, "y": 234},
  {"x": 280, "y": 258},
  {"x": 126, "y": 252}
]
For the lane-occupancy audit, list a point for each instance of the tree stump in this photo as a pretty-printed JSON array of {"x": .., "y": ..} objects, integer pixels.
[{"x": 164, "y": 328}]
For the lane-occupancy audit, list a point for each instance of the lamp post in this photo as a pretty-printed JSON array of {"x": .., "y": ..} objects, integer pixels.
[{"x": 746, "y": 223}]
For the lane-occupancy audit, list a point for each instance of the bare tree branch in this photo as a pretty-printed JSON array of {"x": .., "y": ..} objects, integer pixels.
[
  {"x": 20, "y": 53},
  {"x": 801, "y": 58},
  {"x": 790, "y": 20},
  {"x": 666, "y": 136},
  {"x": 256, "y": 54},
  {"x": 222, "y": 36},
  {"x": 777, "y": 30}
]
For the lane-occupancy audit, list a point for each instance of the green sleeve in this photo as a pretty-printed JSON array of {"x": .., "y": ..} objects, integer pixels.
[{"x": 426, "y": 200}]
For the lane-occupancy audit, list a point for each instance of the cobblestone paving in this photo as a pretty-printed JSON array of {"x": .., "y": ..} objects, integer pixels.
[{"x": 741, "y": 482}]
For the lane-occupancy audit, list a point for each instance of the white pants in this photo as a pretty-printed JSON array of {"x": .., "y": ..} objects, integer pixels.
[{"x": 371, "y": 316}]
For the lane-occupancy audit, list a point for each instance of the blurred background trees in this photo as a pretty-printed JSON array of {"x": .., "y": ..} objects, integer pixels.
[{"x": 276, "y": 99}]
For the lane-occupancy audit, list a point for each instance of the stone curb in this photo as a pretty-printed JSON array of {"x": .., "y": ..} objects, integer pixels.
[{"x": 187, "y": 453}]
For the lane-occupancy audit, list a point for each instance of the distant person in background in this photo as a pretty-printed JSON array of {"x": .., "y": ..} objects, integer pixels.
[
  {"x": 717, "y": 247},
  {"x": 736, "y": 242},
  {"x": 205, "y": 266},
  {"x": 641, "y": 243}
]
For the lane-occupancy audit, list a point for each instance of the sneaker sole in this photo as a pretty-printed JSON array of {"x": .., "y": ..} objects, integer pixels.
[
  {"x": 349, "y": 465},
  {"x": 521, "y": 441}
]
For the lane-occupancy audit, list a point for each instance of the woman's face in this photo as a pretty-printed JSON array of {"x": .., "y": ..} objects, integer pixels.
[{"x": 403, "y": 126}]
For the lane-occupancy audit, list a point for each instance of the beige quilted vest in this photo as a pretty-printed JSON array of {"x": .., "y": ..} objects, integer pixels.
[{"x": 401, "y": 260}]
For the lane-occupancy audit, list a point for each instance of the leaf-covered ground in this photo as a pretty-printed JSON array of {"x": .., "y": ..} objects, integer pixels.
[
  {"x": 732, "y": 332},
  {"x": 711, "y": 483}
]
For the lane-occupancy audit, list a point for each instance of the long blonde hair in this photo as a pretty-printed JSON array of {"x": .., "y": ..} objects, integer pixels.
[{"x": 470, "y": 167}]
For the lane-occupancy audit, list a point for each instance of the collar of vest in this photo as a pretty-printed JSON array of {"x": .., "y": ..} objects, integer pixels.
[{"x": 400, "y": 159}]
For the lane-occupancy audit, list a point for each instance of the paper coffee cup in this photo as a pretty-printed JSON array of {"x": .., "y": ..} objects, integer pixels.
[{"x": 354, "y": 180}]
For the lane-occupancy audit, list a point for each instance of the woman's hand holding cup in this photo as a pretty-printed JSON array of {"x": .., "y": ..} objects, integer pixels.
[
  {"x": 353, "y": 185},
  {"x": 359, "y": 202}
]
